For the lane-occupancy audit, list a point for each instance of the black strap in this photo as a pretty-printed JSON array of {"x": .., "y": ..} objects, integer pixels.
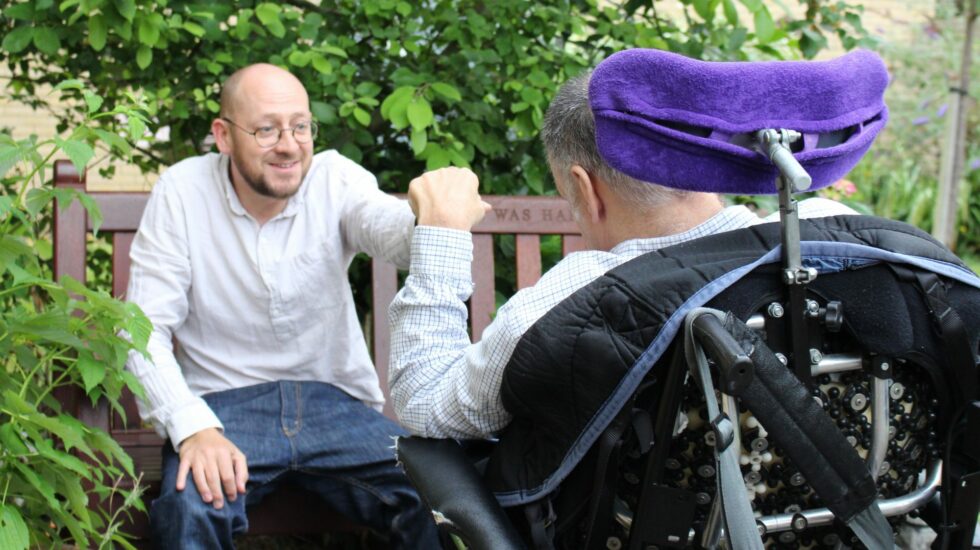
[
  {"x": 604, "y": 485},
  {"x": 951, "y": 329}
]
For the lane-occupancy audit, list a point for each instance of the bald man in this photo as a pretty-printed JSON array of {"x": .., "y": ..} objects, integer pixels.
[{"x": 242, "y": 256}]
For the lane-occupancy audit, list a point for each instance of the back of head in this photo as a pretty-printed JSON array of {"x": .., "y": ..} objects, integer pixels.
[{"x": 568, "y": 134}]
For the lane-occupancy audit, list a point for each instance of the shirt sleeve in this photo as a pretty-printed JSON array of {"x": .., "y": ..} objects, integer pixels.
[
  {"x": 441, "y": 384},
  {"x": 159, "y": 280},
  {"x": 375, "y": 222}
]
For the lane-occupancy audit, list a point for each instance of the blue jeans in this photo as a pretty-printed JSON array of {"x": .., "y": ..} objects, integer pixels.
[{"x": 309, "y": 432}]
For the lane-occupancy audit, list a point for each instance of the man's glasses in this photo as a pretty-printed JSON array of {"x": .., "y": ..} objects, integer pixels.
[{"x": 269, "y": 136}]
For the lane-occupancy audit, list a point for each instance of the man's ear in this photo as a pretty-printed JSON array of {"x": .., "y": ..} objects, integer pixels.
[
  {"x": 590, "y": 198},
  {"x": 220, "y": 131}
]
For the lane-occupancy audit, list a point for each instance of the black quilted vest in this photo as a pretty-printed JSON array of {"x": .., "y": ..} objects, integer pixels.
[{"x": 570, "y": 372}]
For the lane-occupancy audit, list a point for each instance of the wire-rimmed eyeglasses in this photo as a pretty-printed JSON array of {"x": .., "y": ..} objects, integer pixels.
[{"x": 269, "y": 136}]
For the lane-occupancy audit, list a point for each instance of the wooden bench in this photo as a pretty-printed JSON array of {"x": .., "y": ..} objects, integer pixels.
[{"x": 291, "y": 511}]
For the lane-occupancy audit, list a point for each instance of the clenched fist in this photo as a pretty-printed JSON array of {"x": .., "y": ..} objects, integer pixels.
[{"x": 447, "y": 197}]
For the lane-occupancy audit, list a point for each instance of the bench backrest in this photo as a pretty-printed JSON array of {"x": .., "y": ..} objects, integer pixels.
[{"x": 527, "y": 218}]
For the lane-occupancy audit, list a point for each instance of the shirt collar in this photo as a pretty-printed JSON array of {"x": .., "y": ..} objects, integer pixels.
[
  {"x": 728, "y": 219},
  {"x": 292, "y": 206}
]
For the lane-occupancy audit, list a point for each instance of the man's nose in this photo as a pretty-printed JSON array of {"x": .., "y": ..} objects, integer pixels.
[{"x": 287, "y": 142}]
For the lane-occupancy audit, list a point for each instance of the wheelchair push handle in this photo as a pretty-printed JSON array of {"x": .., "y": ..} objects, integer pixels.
[{"x": 734, "y": 364}]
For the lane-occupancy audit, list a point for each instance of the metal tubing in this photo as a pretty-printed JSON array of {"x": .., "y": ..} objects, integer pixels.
[
  {"x": 897, "y": 506},
  {"x": 837, "y": 362},
  {"x": 880, "y": 420}
]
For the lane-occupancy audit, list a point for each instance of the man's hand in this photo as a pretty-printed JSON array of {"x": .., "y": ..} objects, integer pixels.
[
  {"x": 448, "y": 197},
  {"x": 215, "y": 463}
]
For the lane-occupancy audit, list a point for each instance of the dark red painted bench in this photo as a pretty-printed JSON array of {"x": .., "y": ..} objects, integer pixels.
[{"x": 292, "y": 511}]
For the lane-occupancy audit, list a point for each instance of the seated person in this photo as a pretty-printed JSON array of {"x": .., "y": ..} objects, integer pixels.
[
  {"x": 444, "y": 386},
  {"x": 242, "y": 256}
]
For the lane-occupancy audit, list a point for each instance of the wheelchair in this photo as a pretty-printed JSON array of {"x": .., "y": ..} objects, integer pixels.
[{"x": 809, "y": 384}]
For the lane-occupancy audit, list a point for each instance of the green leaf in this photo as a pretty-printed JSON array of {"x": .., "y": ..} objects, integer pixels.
[
  {"x": 78, "y": 152},
  {"x": 37, "y": 199},
  {"x": 765, "y": 28},
  {"x": 46, "y": 40},
  {"x": 752, "y": 5},
  {"x": 437, "y": 158},
  {"x": 137, "y": 128},
  {"x": 321, "y": 64},
  {"x": 18, "y": 39},
  {"x": 268, "y": 14},
  {"x": 362, "y": 116},
  {"x": 148, "y": 32},
  {"x": 419, "y": 141},
  {"x": 447, "y": 91},
  {"x": 126, "y": 8},
  {"x": 13, "y": 530},
  {"x": 144, "y": 55},
  {"x": 93, "y": 372},
  {"x": 9, "y": 156},
  {"x": 299, "y": 58},
  {"x": 419, "y": 113},
  {"x": 539, "y": 79},
  {"x": 367, "y": 89},
  {"x": 193, "y": 28},
  {"x": 94, "y": 101},
  {"x": 403, "y": 8},
  {"x": 63, "y": 459},
  {"x": 24, "y": 12},
  {"x": 731, "y": 14},
  {"x": 11, "y": 439},
  {"x": 71, "y": 83},
  {"x": 703, "y": 7},
  {"x": 114, "y": 140},
  {"x": 40, "y": 484},
  {"x": 333, "y": 50},
  {"x": 97, "y": 32}
]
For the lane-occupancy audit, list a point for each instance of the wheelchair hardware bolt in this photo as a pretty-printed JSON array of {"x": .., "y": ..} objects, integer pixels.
[
  {"x": 702, "y": 499},
  {"x": 786, "y": 537},
  {"x": 792, "y": 509},
  {"x": 896, "y": 391},
  {"x": 852, "y": 441},
  {"x": 761, "y": 527},
  {"x": 885, "y": 366},
  {"x": 885, "y": 466},
  {"x": 709, "y": 438},
  {"x": 759, "y": 444},
  {"x": 812, "y": 308},
  {"x": 775, "y": 310},
  {"x": 782, "y": 359},
  {"x": 706, "y": 471},
  {"x": 798, "y": 523},
  {"x": 797, "y": 479},
  {"x": 892, "y": 432},
  {"x": 631, "y": 478},
  {"x": 859, "y": 402},
  {"x": 673, "y": 464},
  {"x": 752, "y": 478},
  {"x": 613, "y": 543}
]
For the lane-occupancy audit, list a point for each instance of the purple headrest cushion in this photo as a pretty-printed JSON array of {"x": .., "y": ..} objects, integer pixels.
[{"x": 683, "y": 123}]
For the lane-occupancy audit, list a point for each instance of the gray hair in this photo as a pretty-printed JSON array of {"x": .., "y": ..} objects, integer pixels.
[{"x": 568, "y": 134}]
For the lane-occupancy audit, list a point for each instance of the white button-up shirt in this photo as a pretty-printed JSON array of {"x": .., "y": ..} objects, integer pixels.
[{"x": 250, "y": 304}]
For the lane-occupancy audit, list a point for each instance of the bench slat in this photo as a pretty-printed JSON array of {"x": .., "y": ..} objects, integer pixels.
[
  {"x": 528, "y": 260},
  {"x": 483, "y": 302}
]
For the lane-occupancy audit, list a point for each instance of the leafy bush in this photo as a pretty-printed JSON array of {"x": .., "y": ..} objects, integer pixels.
[
  {"x": 399, "y": 86},
  {"x": 57, "y": 336},
  {"x": 898, "y": 179}
]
